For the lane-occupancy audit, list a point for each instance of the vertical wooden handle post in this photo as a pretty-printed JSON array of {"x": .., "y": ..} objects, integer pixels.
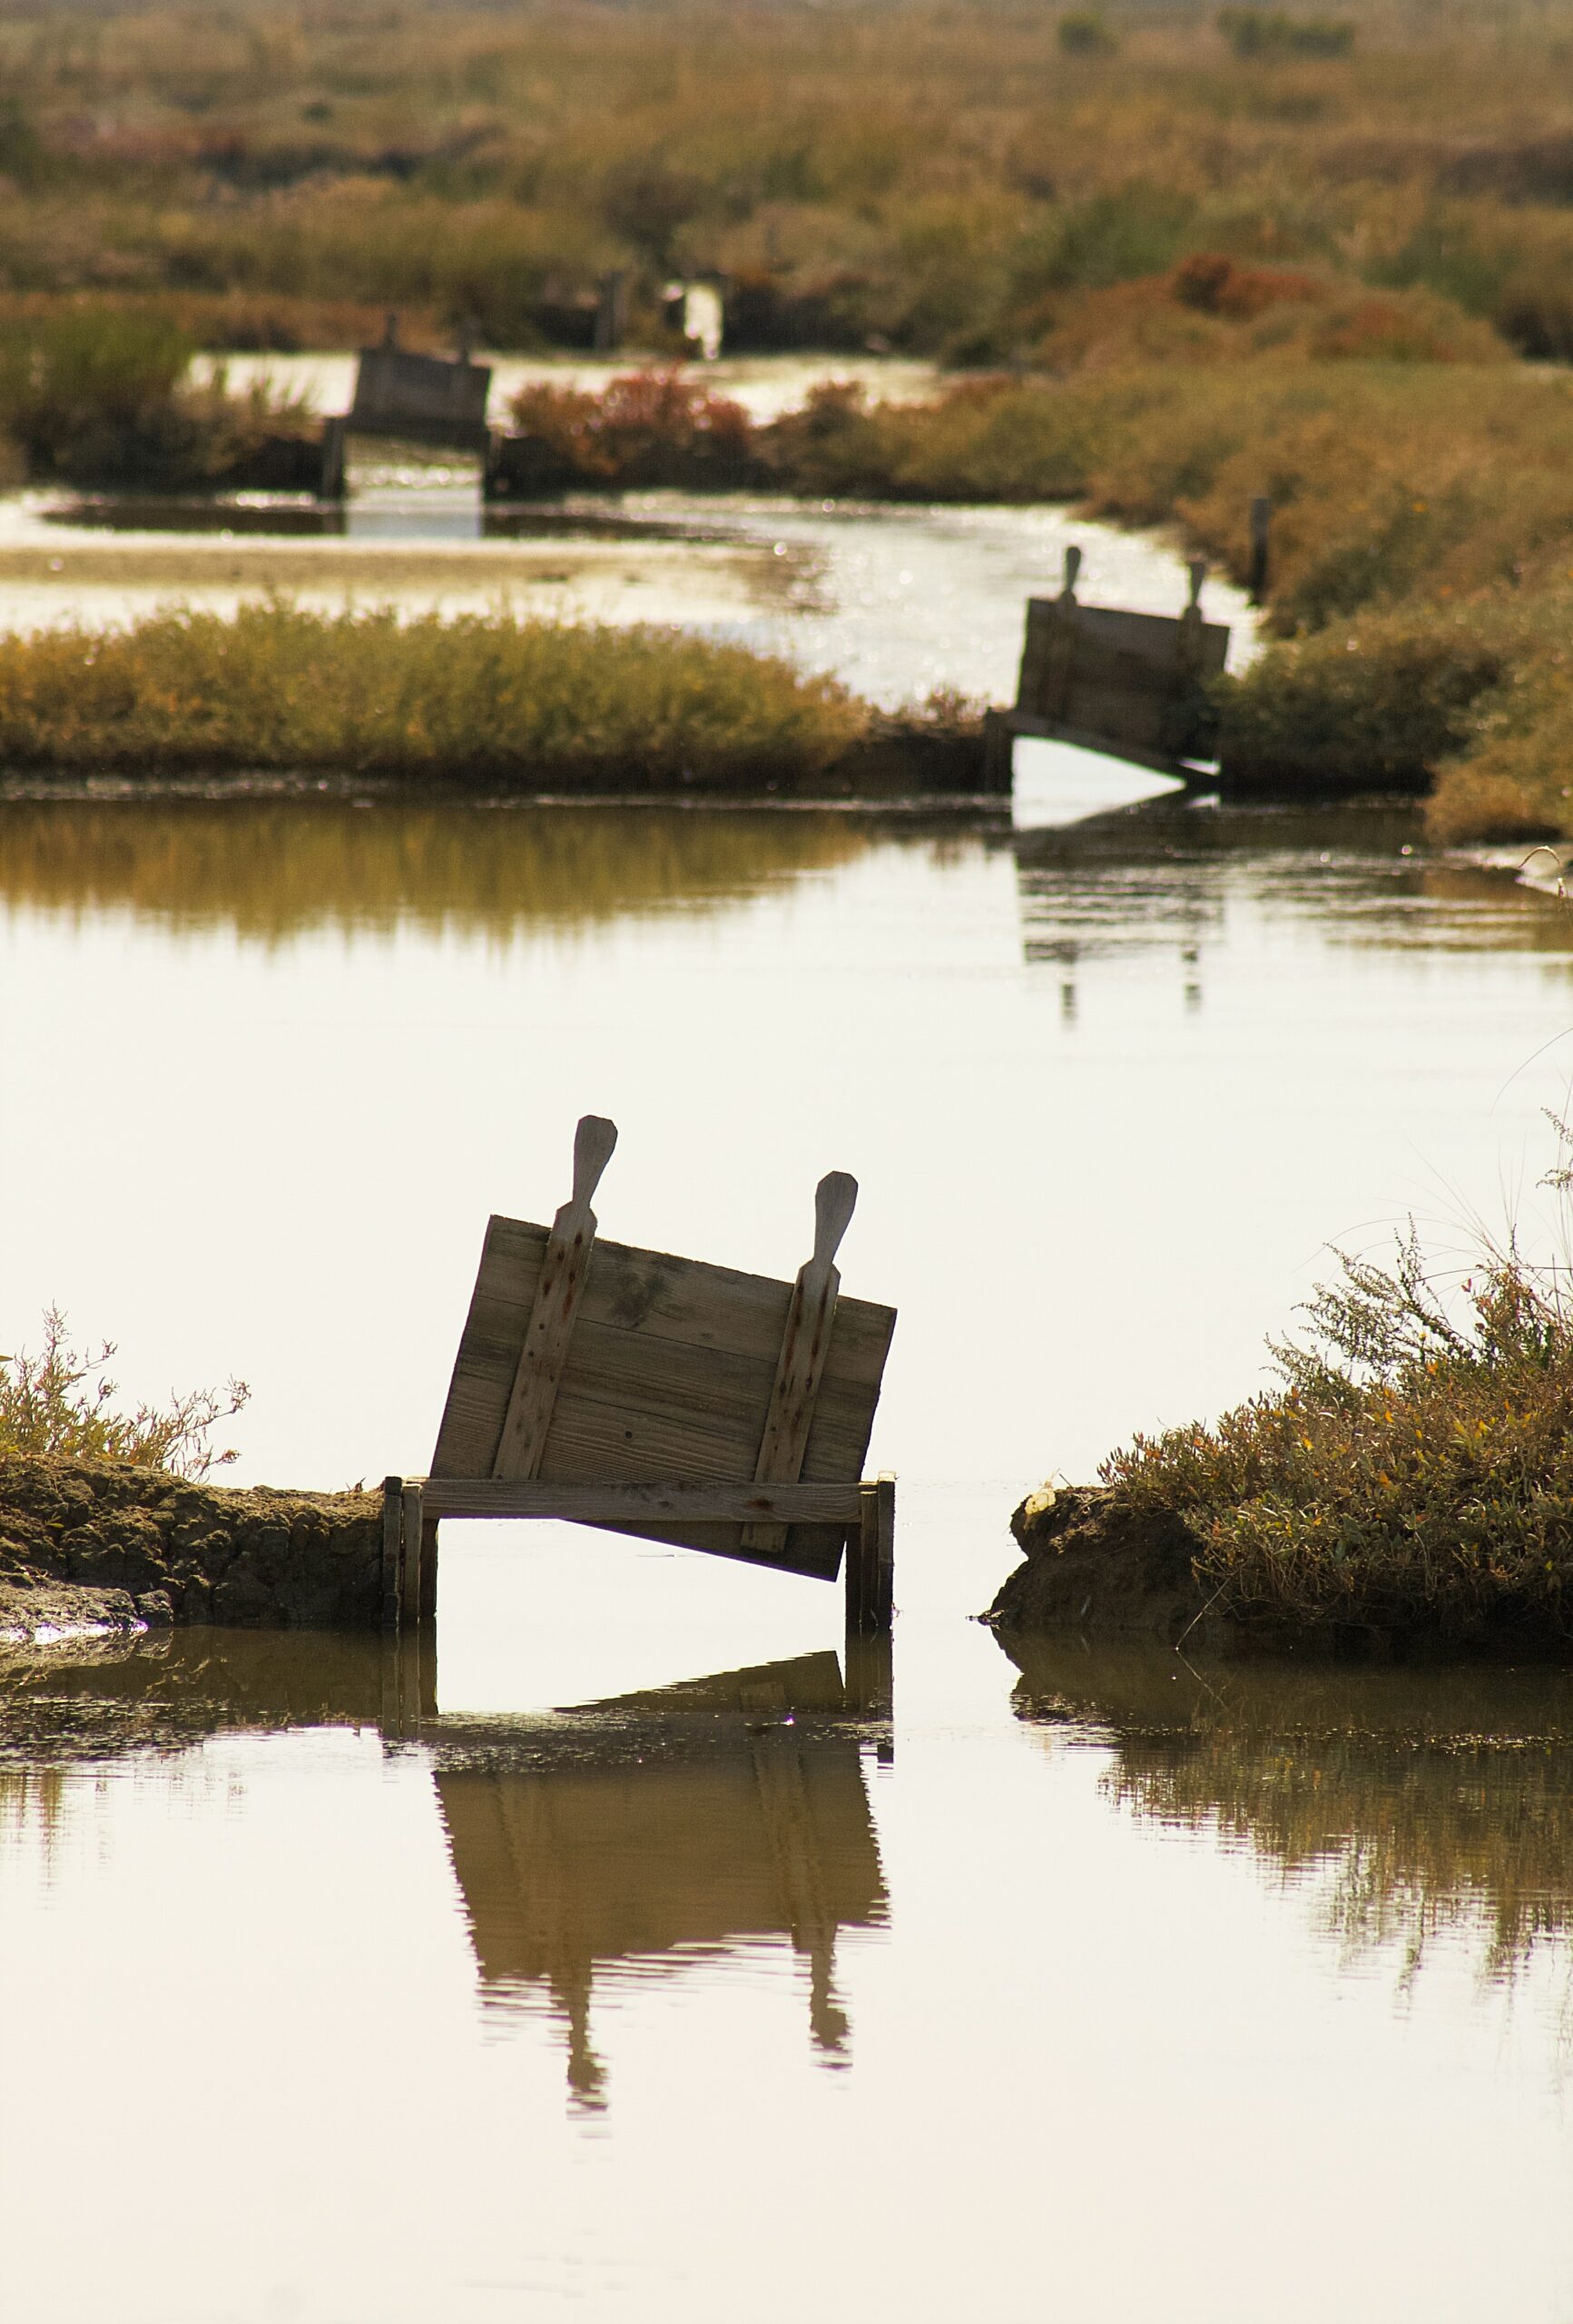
[
  {"x": 805, "y": 1344},
  {"x": 547, "y": 1335},
  {"x": 593, "y": 1142}
]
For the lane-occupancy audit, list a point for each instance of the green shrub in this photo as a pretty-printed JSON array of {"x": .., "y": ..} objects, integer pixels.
[
  {"x": 100, "y": 395},
  {"x": 61, "y": 1401},
  {"x": 1084, "y": 33},
  {"x": 1382, "y": 703},
  {"x": 478, "y": 697},
  {"x": 1414, "y": 1473}
]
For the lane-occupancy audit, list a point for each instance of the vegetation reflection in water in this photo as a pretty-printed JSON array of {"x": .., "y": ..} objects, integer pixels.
[
  {"x": 646, "y": 1832},
  {"x": 1418, "y": 1802},
  {"x": 273, "y": 870}
]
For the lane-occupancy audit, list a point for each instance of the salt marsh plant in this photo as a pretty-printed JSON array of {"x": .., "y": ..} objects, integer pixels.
[
  {"x": 274, "y": 686},
  {"x": 60, "y": 1401},
  {"x": 1413, "y": 1471}
]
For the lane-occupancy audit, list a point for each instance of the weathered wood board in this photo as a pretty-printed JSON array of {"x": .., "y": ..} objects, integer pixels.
[
  {"x": 1120, "y": 678},
  {"x": 427, "y": 398},
  {"x": 668, "y": 1378}
]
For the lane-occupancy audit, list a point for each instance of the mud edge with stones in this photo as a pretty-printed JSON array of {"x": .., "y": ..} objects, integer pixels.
[{"x": 103, "y": 1544}]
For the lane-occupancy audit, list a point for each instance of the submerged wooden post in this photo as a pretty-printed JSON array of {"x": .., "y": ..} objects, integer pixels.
[
  {"x": 871, "y": 1559},
  {"x": 335, "y": 447},
  {"x": 411, "y": 1525}
]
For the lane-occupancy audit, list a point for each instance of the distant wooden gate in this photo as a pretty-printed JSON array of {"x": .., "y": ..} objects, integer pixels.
[
  {"x": 663, "y": 1397},
  {"x": 422, "y": 399},
  {"x": 1135, "y": 685}
]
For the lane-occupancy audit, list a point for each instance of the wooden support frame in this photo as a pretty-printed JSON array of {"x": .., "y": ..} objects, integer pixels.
[
  {"x": 871, "y": 1559},
  {"x": 413, "y": 1507}
]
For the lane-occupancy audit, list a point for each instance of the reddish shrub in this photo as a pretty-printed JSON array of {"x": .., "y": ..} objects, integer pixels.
[{"x": 647, "y": 428}]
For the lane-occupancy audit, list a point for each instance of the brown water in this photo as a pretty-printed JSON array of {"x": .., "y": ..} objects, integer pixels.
[{"x": 637, "y": 1960}]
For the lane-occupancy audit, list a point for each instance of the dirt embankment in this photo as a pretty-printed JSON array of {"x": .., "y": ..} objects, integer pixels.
[
  {"x": 91, "y": 1544},
  {"x": 1096, "y": 1564}
]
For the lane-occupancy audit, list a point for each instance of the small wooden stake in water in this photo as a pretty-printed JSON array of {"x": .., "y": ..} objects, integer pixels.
[
  {"x": 562, "y": 1279},
  {"x": 805, "y": 1344}
]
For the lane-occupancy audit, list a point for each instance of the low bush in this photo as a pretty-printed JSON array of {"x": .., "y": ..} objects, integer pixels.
[
  {"x": 61, "y": 1401},
  {"x": 482, "y": 696},
  {"x": 646, "y": 429},
  {"x": 1378, "y": 705},
  {"x": 1414, "y": 1474},
  {"x": 102, "y": 396}
]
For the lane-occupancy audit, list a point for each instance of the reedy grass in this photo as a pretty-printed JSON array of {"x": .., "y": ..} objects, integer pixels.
[{"x": 364, "y": 692}]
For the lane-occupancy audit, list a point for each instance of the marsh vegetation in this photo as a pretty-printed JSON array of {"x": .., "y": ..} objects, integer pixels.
[{"x": 275, "y": 686}]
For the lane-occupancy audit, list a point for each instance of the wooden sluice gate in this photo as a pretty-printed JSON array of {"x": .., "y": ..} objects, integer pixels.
[
  {"x": 433, "y": 399},
  {"x": 661, "y": 1397},
  {"x": 1135, "y": 685}
]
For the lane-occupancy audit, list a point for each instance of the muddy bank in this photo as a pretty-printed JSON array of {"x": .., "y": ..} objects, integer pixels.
[
  {"x": 89, "y": 1545},
  {"x": 1095, "y": 1565},
  {"x": 1100, "y": 1566}
]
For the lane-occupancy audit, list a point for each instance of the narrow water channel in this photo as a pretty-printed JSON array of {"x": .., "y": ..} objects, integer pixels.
[{"x": 633, "y": 1963}]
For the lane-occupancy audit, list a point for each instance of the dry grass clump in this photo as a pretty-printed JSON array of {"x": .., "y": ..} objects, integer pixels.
[
  {"x": 478, "y": 697},
  {"x": 61, "y": 1401},
  {"x": 1413, "y": 1474}
]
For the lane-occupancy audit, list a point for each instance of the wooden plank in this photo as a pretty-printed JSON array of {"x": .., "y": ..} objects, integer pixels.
[
  {"x": 884, "y": 1576},
  {"x": 805, "y": 1344},
  {"x": 428, "y": 1564},
  {"x": 669, "y": 1376},
  {"x": 587, "y": 1505},
  {"x": 638, "y": 1321},
  {"x": 392, "y": 1536},
  {"x": 558, "y": 1287},
  {"x": 409, "y": 1554},
  {"x": 871, "y": 1560}
]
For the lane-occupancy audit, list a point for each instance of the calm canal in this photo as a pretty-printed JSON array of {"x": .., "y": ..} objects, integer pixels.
[{"x": 1094, "y": 1988}]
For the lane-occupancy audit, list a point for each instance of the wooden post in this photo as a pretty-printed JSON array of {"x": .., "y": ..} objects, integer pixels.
[
  {"x": 392, "y": 1537},
  {"x": 996, "y": 751},
  {"x": 427, "y": 1566},
  {"x": 410, "y": 1529},
  {"x": 870, "y": 1681},
  {"x": 884, "y": 1550},
  {"x": 1261, "y": 544},
  {"x": 335, "y": 434},
  {"x": 871, "y": 1560}
]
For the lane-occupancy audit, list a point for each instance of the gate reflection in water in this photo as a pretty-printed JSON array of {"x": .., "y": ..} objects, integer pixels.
[
  {"x": 640, "y": 1833},
  {"x": 663, "y": 1828}
]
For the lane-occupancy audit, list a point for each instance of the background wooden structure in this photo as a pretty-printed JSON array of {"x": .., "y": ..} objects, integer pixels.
[
  {"x": 1133, "y": 685},
  {"x": 663, "y": 1397},
  {"x": 425, "y": 398}
]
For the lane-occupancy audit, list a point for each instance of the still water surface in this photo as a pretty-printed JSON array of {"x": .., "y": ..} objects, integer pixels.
[{"x": 638, "y": 1962}]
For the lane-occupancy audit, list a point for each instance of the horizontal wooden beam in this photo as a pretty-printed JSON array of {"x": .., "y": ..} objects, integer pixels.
[{"x": 682, "y": 1504}]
